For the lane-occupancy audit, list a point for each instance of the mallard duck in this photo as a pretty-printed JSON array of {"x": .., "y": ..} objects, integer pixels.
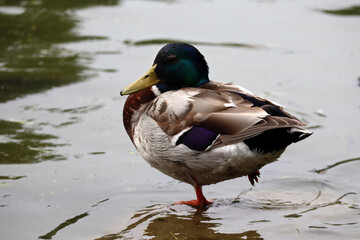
[{"x": 199, "y": 131}]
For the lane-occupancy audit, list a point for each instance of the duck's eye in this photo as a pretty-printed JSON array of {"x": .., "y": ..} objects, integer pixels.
[
  {"x": 171, "y": 58},
  {"x": 146, "y": 76}
]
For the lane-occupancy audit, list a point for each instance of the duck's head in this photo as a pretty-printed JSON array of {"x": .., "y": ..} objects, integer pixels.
[{"x": 176, "y": 65}]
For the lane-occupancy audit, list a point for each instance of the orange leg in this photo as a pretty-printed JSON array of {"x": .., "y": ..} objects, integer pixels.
[{"x": 200, "y": 202}]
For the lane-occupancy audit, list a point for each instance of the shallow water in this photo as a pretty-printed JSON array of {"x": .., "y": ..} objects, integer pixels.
[{"x": 69, "y": 171}]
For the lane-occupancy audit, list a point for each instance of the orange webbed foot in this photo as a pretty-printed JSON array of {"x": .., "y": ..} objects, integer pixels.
[
  {"x": 200, "y": 202},
  {"x": 195, "y": 203}
]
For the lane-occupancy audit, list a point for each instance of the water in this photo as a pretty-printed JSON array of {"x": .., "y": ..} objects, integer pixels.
[{"x": 69, "y": 171}]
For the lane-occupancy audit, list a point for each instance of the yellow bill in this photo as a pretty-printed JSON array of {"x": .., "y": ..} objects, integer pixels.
[{"x": 147, "y": 80}]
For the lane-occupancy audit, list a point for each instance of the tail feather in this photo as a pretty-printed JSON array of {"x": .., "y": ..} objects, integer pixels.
[{"x": 299, "y": 134}]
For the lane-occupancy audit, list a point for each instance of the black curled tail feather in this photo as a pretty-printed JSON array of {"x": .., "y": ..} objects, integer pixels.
[{"x": 299, "y": 134}]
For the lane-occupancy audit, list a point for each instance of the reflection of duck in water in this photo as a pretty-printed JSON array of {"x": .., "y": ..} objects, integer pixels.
[
  {"x": 162, "y": 222},
  {"x": 200, "y": 131}
]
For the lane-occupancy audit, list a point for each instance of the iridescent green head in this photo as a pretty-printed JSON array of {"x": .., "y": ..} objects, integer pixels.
[
  {"x": 177, "y": 65},
  {"x": 180, "y": 65}
]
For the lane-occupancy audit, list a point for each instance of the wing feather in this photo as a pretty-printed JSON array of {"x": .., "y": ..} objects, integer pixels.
[{"x": 225, "y": 109}]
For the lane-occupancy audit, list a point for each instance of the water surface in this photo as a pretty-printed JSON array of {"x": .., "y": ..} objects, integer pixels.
[{"x": 69, "y": 171}]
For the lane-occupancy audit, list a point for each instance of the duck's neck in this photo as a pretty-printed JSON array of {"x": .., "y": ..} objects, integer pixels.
[{"x": 135, "y": 105}]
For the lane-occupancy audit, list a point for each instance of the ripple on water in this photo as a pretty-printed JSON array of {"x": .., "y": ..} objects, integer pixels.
[{"x": 294, "y": 207}]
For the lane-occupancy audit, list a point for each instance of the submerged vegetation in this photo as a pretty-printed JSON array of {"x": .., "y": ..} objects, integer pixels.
[
  {"x": 31, "y": 56},
  {"x": 350, "y": 11}
]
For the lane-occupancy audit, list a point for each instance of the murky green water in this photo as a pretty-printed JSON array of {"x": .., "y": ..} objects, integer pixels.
[{"x": 69, "y": 171}]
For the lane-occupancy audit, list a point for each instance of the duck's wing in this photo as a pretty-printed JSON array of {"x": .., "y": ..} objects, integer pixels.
[{"x": 215, "y": 115}]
